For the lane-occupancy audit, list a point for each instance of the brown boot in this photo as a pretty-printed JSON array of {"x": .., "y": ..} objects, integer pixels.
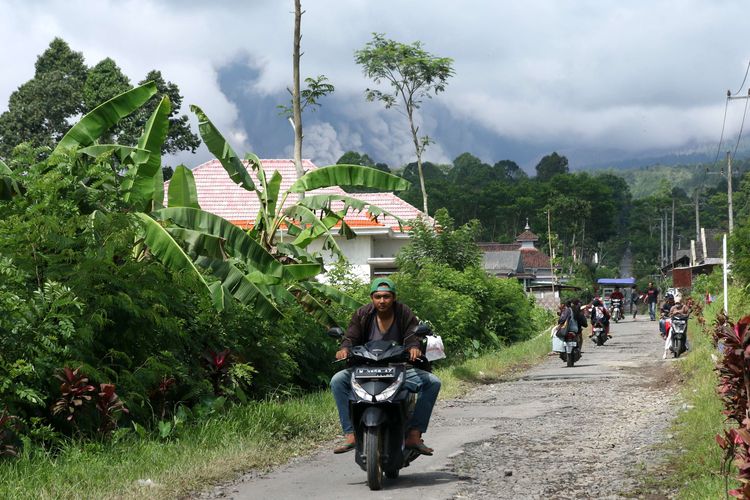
[
  {"x": 415, "y": 442},
  {"x": 348, "y": 444}
]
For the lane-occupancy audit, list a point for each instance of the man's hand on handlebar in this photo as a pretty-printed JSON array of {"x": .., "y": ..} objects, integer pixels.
[
  {"x": 414, "y": 353},
  {"x": 342, "y": 353}
]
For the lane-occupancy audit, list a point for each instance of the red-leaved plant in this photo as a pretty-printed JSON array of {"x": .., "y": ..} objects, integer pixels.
[
  {"x": 218, "y": 365},
  {"x": 734, "y": 389},
  {"x": 76, "y": 391},
  {"x": 109, "y": 406},
  {"x": 159, "y": 394}
]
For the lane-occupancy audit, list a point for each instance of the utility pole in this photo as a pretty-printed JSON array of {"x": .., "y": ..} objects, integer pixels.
[
  {"x": 697, "y": 215},
  {"x": 549, "y": 240},
  {"x": 729, "y": 192},
  {"x": 661, "y": 241},
  {"x": 671, "y": 237}
]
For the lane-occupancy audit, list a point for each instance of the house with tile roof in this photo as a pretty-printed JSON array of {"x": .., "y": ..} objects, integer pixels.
[
  {"x": 372, "y": 252},
  {"x": 526, "y": 263}
]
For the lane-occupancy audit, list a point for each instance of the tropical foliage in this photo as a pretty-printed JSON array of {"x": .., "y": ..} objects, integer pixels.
[{"x": 117, "y": 309}]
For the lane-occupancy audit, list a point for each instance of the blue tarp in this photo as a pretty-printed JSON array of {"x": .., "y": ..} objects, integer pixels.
[{"x": 616, "y": 281}]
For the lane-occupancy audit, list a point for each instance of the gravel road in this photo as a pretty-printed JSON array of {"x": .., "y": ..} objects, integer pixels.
[{"x": 553, "y": 432}]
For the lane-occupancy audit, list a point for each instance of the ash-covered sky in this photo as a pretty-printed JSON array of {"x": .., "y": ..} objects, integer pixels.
[{"x": 597, "y": 80}]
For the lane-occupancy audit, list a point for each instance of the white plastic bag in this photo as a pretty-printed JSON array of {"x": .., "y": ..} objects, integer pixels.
[{"x": 435, "y": 349}]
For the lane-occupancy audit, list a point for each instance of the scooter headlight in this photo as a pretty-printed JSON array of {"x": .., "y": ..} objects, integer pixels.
[
  {"x": 391, "y": 389},
  {"x": 359, "y": 390}
]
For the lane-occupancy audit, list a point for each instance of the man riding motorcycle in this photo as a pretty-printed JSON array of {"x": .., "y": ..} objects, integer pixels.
[
  {"x": 384, "y": 318},
  {"x": 599, "y": 312},
  {"x": 666, "y": 307},
  {"x": 617, "y": 298}
]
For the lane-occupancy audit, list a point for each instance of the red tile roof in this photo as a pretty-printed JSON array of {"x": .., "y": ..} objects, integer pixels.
[{"x": 219, "y": 195}]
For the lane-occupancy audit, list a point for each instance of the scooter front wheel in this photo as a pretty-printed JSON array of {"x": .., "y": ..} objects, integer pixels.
[{"x": 372, "y": 456}]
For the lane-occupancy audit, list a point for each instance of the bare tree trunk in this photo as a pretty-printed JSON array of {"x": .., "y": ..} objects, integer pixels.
[
  {"x": 418, "y": 149},
  {"x": 296, "y": 107}
]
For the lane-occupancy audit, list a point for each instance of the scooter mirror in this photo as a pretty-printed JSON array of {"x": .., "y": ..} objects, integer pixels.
[
  {"x": 336, "y": 332},
  {"x": 422, "y": 330}
]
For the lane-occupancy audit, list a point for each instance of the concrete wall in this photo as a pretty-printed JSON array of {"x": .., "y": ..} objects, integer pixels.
[{"x": 387, "y": 247}]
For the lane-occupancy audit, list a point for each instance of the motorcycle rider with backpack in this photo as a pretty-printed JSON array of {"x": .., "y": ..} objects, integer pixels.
[
  {"x": 384, "y": 318},
  {"x": 598, "y": 312}
]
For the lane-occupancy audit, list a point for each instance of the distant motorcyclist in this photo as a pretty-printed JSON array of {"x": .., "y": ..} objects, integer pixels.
[
  {"x": 678, "y": 308},
  {"x": 599, "y": 313},
  {"x": 617, "y": 295},
  {"x": 580, "y": 319},
  {"x": 666, "y": 307}
]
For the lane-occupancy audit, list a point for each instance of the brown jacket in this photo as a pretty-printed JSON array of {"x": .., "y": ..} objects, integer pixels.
[{"x": 359, "y": 326}]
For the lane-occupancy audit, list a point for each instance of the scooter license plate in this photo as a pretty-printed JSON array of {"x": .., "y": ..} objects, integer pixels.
[
  {"x": 573, "y": 344},
  {"x": 375, "y": 372}
]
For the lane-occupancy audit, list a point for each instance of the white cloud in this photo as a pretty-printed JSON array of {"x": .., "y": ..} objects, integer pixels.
[{"x": 586, "y": 73}]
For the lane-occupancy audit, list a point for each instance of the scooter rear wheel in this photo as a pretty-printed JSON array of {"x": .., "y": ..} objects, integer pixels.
[
  {"x": 372, "y": 456},
  {"x": 571, "y": 359}
]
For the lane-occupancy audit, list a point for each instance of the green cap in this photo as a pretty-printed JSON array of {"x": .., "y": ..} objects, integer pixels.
[{"x": 382, "y": 285}]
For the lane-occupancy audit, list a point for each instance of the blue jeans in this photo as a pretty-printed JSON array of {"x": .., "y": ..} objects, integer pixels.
[
  {"x": 420, "y": 381},
  {"x": 652, "y": 310}
]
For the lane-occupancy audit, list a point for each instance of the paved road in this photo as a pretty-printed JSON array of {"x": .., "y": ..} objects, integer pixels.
[{"x": 554, "y": 432}]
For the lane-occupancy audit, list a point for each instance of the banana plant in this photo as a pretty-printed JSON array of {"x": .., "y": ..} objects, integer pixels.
[{"x": 233, "y": 264}]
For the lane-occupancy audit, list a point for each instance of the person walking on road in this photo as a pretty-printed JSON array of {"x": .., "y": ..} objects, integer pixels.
[
  {"x": 652, "y": 297},
  {"x": 634, "y": 295}
]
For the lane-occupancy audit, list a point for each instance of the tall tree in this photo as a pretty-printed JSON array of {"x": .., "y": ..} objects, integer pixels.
[
  {"x": 413, "y": 74},
  {"x": 63, "y": 87},
  {"x": 179, "y": 136},
  {"x": 39, "y": 110},
  {"x": 550, "y": 166}
]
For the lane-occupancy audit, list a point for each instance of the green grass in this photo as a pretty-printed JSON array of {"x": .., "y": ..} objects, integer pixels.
[
  {"x": 254, "y": 436},
  {"x": 695, "y": 458}
]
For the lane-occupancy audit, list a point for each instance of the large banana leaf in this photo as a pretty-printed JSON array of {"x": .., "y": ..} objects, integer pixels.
[
  {"x": 126, "y": 154},
  {"x": 299, "y": 272},
  {"x": 349, "y": 175},
  {"x": 104, "y": 116},
  {"x": 297, "y": 253},
  {"x": 159, "y": 189},
  {"x": 314, "y": 308},
  {"x": 139, "y": 184},
  {"x": 322, "y": 201},
  {"x": 170, "y": 253},
  {"x": 314, "y": 227},
  {"x": 238, "y": 244},
  {"x": 182, "y": 190},
  {"x": 221, "y": 149},
  {"x": 241, "y": 287},
  {"x": 198, "y": 244}
]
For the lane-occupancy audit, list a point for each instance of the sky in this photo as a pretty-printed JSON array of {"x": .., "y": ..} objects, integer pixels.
[{"x": 599, "y": 81}]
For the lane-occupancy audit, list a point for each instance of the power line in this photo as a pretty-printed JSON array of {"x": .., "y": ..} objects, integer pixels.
[
  {"x": 744, "y": 79},
  {"x": 742, "y": 126}
]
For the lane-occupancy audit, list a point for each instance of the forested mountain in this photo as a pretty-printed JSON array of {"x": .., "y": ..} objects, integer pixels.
[
  {"x": 648, "y": 180},
  {"x": 596, "y": 212}
]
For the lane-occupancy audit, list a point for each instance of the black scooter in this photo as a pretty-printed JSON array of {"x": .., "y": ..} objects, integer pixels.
[
  {"x": 599, "y": 336},
  {"x": 678, "y": 335},
  {"x": 381, "y": 406}
]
